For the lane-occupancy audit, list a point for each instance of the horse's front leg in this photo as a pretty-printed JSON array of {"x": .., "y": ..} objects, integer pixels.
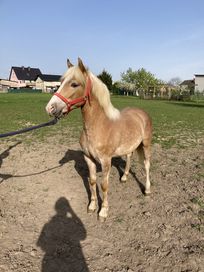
[
  {"x": 92, "y": 183},
  {"x": 106, "y": 166}
]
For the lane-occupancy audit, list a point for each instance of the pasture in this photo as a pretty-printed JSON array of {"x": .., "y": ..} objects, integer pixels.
[
  {"x": 44, "y": 191},
  {"x": 175, "y": 123}
]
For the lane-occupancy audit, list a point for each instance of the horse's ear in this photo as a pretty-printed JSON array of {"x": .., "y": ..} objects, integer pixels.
[
  {"x": 69, "y": 64},
  {"x": 81, "y": 66}
]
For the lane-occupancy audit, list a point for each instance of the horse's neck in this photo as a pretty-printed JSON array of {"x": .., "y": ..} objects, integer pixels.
[
  {"x": 96, "y": 113},
  {"x": 92, "y": 112}
]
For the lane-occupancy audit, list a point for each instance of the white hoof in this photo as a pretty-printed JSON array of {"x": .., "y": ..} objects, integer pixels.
[
  {"x": 103, "y": 214},
  {"x": 102, "y": 219},
  {"x": 147, "y": 192},
  {"x": 92, "y": 206},
  {"x": 123, "y": 178}
]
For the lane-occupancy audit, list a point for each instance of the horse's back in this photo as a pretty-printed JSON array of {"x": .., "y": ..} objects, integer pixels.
[
  {"x": 137, "y": 116},
  {"x": 140, "y": 120},
  {"x": 133, "y": 126}
]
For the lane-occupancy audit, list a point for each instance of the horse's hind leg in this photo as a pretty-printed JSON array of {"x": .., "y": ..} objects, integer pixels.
[
  {"x": 127, "y": 168},
  {"x": 92, "y": 183},
  {"x": 147, "y": 156}
]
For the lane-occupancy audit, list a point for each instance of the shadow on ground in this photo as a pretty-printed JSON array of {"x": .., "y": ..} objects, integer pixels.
[
  {"x": 80, "y": 166},
  {"x": 82, "y": 169},
  {"x": 60, "y": 240}
]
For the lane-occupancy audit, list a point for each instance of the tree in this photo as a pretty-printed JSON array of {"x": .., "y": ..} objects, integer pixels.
[
  {"x": 106, "y": 78},
  {"x": 143, "y": 80},
  {"x": 126, "y": 87},
  {"x": 174, "y": 81}
]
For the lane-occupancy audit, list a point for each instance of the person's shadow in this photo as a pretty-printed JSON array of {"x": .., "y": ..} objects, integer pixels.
[{"x": 60, "y": 240}]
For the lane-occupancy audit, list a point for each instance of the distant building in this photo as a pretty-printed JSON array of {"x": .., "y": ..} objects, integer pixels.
[
  {"x": 5, "y": 84},
  {"x": 188, "y": 85},
  {"x": 199, "y": 83},
  {"x": 24, "y": 76},
  {"x": 21, "y": 77},
  {"x": 48, "y": 83},
  {"x": 194, "y": 85}
]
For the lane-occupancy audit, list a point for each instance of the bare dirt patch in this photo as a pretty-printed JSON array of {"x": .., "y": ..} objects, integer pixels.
[{"x": 45, "y": 226}]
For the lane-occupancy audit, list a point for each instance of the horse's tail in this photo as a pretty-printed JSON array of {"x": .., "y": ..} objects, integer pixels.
[{"x": 140, "y": 153}]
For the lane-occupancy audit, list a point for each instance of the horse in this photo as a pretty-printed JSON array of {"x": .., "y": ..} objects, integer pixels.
[{"x": 107, "y": 132}]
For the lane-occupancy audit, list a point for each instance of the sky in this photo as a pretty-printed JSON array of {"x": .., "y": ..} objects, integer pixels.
[{"x": 166, "y": 37}]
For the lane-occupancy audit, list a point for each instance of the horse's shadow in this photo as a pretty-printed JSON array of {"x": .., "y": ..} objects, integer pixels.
[
  {"x": 82, "y": 169},
  {"x": 119, "y": 163},
  {"x": 80, "y": 166},
  {"x": 6, "y": 153},
  {"x": 3, "y": 156}
]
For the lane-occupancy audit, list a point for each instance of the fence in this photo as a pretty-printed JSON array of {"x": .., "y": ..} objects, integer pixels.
[{"x": 24, "y": 90}]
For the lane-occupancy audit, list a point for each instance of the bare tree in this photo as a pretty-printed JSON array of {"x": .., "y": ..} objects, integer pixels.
[{"x": 175, "y": 81}]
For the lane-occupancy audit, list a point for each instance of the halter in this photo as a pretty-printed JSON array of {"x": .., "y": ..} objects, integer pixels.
[{"x": 77, "y": 102}]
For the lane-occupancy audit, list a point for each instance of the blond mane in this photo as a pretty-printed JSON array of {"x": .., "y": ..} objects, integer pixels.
[{"x": 101, "y": 92}]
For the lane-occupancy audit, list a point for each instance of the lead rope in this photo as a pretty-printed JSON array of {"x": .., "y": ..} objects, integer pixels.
[{"x": 12, "y": 133}]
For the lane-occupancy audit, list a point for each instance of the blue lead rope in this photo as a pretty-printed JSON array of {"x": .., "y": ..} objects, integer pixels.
[{"x": 12, "y": 133}]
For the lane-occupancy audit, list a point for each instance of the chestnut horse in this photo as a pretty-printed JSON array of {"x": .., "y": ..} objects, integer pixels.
[{"x": 107, "y": 132}]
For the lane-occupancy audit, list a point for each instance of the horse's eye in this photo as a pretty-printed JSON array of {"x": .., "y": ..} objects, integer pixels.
[{"x": 74, "y": 85}]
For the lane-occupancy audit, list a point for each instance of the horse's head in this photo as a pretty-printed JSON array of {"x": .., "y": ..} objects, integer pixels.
[{"x": 73, "y": 91}]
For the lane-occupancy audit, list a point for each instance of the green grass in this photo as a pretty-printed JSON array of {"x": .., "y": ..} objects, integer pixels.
[
  {"x": 198, "y": 201},
  {"x": 175, "y": 123},
  {"x": 23, "y": 110}
]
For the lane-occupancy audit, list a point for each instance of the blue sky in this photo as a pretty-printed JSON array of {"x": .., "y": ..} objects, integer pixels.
[{"x": 164, "y": 37}]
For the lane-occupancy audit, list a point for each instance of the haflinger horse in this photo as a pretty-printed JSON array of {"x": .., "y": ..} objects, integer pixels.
[{"x": 107, "y": 132}]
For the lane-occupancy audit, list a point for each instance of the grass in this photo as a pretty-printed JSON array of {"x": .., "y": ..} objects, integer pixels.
[
  {"x": 198, "y": 201},
  {"x": 175, "y": 123},
  {"x": 23, "y": 110}
]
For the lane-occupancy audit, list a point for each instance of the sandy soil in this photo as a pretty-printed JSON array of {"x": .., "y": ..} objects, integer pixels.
[{"x": 44, "y": 225}]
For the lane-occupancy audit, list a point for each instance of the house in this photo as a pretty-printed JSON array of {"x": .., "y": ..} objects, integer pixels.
[
  {"x": 21, "y": 77},
  {"x": 199, "y": 83},
  {"x": 47, "y": 83},
  {"x": 24, "y": 76},
  {"x": 194, "y": 85},
  {"x": 188, "y": 85},
  {"x": 5, "y": 84}
]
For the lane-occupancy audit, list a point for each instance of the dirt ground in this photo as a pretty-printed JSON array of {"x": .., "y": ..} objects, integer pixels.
[{"x": 44, "y": 225}]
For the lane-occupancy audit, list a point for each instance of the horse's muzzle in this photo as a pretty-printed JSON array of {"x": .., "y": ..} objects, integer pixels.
[{"x": 53, "y": 112}]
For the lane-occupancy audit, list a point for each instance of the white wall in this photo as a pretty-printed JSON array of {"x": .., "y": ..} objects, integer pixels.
[{"x": 199, "y": 83}]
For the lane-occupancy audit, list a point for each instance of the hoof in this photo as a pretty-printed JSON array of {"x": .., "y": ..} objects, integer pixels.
[
  {"x": 103, "y": 214},
  {"x": 147, "y": 192},
  {"x": 92, "y": 207},
  {"x": 102, "y": 219},
  {"x": 89, "y": 211},
  {"x": 123, "y": 179}
]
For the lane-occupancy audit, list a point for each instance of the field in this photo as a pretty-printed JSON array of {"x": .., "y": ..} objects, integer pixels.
[{"x": 44, "y": 194}]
